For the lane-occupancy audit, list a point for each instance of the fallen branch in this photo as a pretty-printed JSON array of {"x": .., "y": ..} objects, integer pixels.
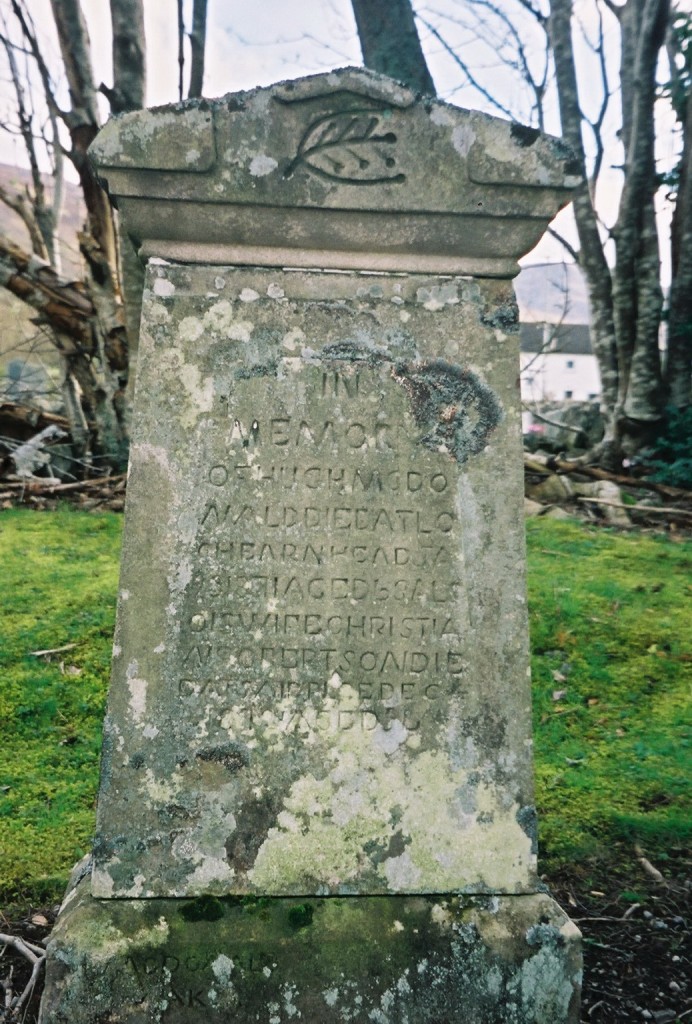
[
  {"x": 533, "y": 465},
  {"x": 28, "y": 418},
  {"x": 52, "y": 650},
  {"x": 36, "y": 486},
  {"x": 63, "y": 304},
  {"x": 653, "y": 509},
  {"x": 596, "y": 473},
  {"x": 555, "y": 423},
  {"x": 36, "y": 956},
  {"x": 611, "y": 920},
  {"x": 651, "y": 871}
]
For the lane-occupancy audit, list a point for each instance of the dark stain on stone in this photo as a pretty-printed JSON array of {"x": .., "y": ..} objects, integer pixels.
[
  {"x": 242, "y": 845},
  {"x": 301, "y": 916},
  {"x": 453, "y": 407},
  {"x": 351, "y": 351},
  {"x": 545, "y": 935},
  {"x": 571, "y": 162},
  {"x": 379, "y": 851},
  {"x": 528, "y": 822},
  {"x": 492, "y": 729},
  {"x": 231, "y": 755},
  {"x": 573, "y": 167},
  {"x": 137, "y": 760},
  {"x": 504, "y": 318},
  {"x": 171, "y": 811},
  {"x": 256, "y": 370},
  {"x": 396, "y": 814},
  {"x": 376, "y": 850},
  {"x": 523, "y": 135},
  {"x": 397, "y": 844},
  {"x": 204, "y": 908},
  {"x": 106, "y": 848}
]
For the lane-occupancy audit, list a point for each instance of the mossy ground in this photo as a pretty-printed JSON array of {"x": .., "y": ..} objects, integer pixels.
[
  {"x": 59, "y": 581},
  {"x": 611, "y": 661},
  {"x": 611, "y": 640}
]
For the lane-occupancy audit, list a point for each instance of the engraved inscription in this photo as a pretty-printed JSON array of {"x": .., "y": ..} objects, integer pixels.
[{"x": 328, "y": 592}]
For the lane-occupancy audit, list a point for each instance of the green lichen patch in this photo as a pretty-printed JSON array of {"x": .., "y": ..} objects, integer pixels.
[{"x": 204, "y": 908}]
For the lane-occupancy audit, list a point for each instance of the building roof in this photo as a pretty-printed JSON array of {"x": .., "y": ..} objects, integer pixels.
[{"x": 573, "y": 339}]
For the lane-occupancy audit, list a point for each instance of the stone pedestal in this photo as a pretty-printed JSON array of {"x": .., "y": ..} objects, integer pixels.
[
  {"x": 383, "y": 959},
  {"x": 316, "y": 796}
]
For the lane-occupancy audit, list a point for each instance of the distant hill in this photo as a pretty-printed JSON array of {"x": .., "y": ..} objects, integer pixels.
[
  {"x": 16, "y": 179},
  {"x": 20, "y": 339}
]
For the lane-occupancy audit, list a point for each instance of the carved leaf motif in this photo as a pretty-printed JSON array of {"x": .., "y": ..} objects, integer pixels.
[{"x": 351, "y": 146}]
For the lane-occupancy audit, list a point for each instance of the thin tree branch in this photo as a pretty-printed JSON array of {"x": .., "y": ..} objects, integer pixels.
[
  {"x": 472, "y": 80},
  {"x": 36, "y": 957},
  {"x": 29, "y": 33},
  {"x": 574, "y": 253},
  {"x": 181, "y": 50},
  {"x": 198, "y": 38}
]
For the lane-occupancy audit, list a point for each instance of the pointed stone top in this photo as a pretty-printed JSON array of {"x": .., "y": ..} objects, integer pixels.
[{"x": 344, "y": 169}]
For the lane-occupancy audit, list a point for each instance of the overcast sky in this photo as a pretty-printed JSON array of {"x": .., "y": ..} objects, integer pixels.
[{"x": 257, "y": 44}]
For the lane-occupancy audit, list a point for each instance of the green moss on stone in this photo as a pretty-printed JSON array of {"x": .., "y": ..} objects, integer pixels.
[{"x": 205, "y": 908}]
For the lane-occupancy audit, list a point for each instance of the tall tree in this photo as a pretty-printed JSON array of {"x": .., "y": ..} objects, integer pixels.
[
  {"x": 390, "y": 43},
  {"x": 198, "y": 36},
  {"x": 679, "y": 364},
  {"x": 87, "y": 319},
  {"x": 627, "y": 300},
  {"x": 545, "y": 41}
]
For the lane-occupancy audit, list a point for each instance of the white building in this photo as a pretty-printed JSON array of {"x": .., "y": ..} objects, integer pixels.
[{"x": 557, "y": 363}]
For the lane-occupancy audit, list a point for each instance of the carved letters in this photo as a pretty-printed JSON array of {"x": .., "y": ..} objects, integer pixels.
[{"x": 324, "y": 560}]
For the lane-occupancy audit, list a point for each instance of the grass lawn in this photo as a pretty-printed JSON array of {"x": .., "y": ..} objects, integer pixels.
[{"x": 612, "y": 664}]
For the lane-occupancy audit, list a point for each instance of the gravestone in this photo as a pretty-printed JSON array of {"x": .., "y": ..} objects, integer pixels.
[{"x": 316, "y": 795}]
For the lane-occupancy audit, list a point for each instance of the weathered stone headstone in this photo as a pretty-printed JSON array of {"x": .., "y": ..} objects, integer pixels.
[{"x": 318, "y": 734}]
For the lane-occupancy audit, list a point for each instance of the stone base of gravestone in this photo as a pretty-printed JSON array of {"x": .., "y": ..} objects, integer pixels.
[{"x": 381, "y": 959}]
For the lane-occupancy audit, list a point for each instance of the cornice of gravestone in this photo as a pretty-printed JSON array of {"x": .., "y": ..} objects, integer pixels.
[{"x": 344, "y": 170}]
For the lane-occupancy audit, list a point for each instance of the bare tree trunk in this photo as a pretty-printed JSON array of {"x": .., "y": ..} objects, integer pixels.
[
  {"x": 129, "y": 91},
  {"x": 83, "y": 121},
  {"x": 592, "y": 257},
  {"x": 198, "y": 37},
  {"x": 87, "y": 321},
  {"x": 129, "y": 56},
  {"x": 679, "y": 362},
  {"x": 103, "y": 382},
  {"x": 637, "y": 295},
  {"x": 181, "y": 50},
  {"x": 390, "y": 44}
]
